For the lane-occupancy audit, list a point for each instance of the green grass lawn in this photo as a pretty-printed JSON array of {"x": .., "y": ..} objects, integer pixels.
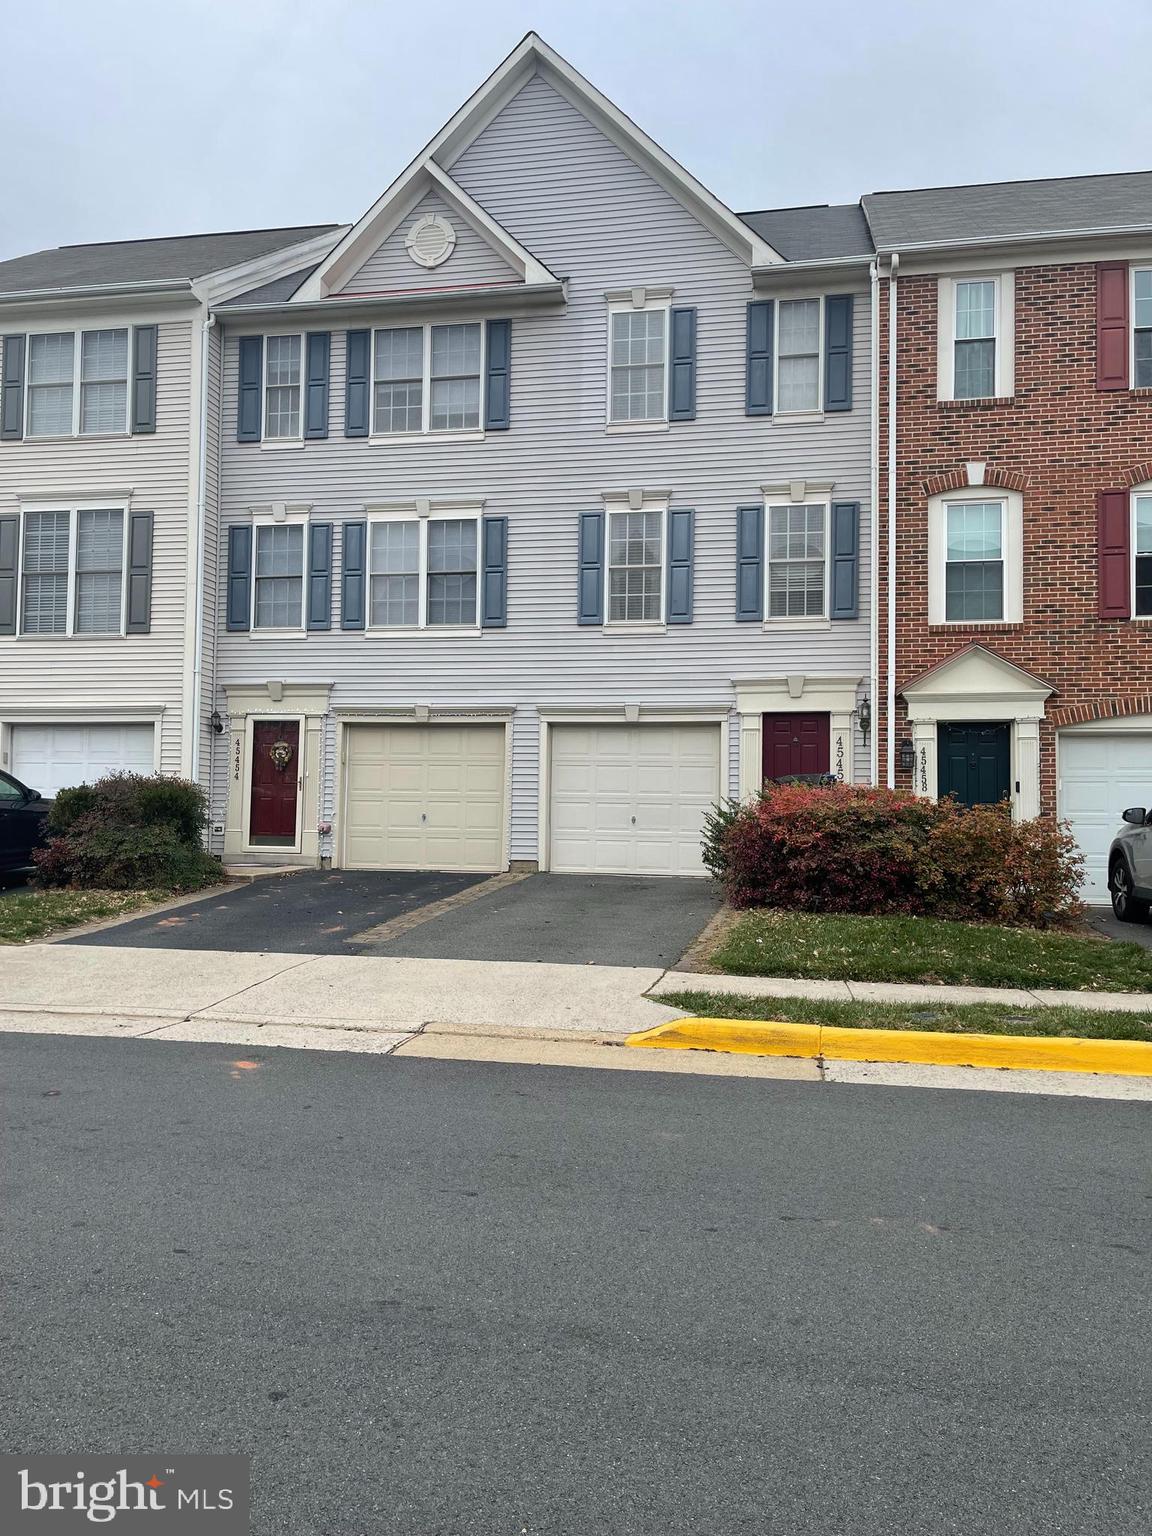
[
  {"x": 976, "y": 1018},
  {"x": 30, "y": 914},
  {"x": 768, "y": 943}
]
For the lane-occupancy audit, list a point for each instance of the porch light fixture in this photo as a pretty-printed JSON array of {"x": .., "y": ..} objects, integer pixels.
[
  {"x": 216, "y": 722},
  {"x": 864, "y": 717},
  {"x": 907, "y": 757}
]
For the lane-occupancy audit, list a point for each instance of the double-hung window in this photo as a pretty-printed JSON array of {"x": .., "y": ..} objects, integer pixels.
[
  {"x": 278, "y": 576},
  {"x": 72, "y": 571},
  {"x": 283, "y": 364},
  {"x": 798, "y": 560},
  {"x": 974, "y": 367},
  {"x": 1142, "y": 556},
  {"x": 1142, "y": 328},
  {"x": 423, "y": 572},
  {"x": 973, "y": 562},
  {"x": 636, "y": 567},
  {"x": 77, "y": 383},
  {"x": 798, "y": 354},
  {"x": 638, "y": 363},
  {"x": 426, "y": 378}
]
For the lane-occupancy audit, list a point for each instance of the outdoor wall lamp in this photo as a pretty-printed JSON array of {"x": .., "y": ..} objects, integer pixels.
[
  {"x": 216, "y": 723},
  {"x": 907, "y": 757},
  {"x": 864, "y": 716}
]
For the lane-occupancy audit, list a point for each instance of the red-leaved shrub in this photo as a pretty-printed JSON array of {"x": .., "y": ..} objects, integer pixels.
[{"x": 852, "y": 849}]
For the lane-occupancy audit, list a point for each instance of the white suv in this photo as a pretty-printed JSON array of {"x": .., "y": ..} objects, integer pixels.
[{"x": 1130, "y": 867}]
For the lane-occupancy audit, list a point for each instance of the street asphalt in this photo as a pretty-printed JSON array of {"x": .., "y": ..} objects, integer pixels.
[{"x": 433, "y": 1298}]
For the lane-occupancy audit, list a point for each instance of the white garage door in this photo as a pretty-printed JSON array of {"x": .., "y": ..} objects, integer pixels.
[
  {"x": 1099, "y": 776},
  {"x": 631, "y": 799},
  {"x": 54, "y": 757},
  {"x": 424, "y": 797}
]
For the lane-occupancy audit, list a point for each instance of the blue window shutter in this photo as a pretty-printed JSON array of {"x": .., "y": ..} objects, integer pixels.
[
  {"x": 356, "y": 390},
  {"x": 750, "y": 564},
  {"x": 494, "y": 596},
  {"x": 139, "y": 573},
  {"x": 248, "y": 394},
  {"x": 758, "y": 384},
  {"x": 353, "y": 550},
  {"x": 144, "y": 378},
  {"x": 239, "y": 576},
  {"x": 590, "y": 604},
  {"x": 682, "y": 400},
  {"x": 838, "y": 352},
  {"x": 319, "y": 575},
  {"x": 845, "y": 560},
  {"x": 681, "y": 546},
  {"x": 316, "y": 384},
  {"x": 9, "y": 572},
  {"x": 498, "y": 393},
  {"x": 12, "y": 390}
]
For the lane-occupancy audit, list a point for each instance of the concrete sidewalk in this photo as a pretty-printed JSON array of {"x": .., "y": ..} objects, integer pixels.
[{"x": 898, "y": 992}]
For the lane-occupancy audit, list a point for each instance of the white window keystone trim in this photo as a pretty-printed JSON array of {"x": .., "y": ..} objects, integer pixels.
[{"x": 968, "y": 314}]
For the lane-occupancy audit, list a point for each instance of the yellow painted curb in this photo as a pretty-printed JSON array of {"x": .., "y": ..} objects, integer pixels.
[{"x": 768, "y": 1037}]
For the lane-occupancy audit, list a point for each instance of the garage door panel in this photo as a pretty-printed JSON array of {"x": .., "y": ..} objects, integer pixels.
[
  {"x": 425, "y": 797},
  {"x": 54, "y": 757},
  {"x": 1100, "y": 775},
  {"x": 631, "y": 799}
]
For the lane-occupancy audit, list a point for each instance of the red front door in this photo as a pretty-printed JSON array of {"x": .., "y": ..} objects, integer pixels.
[
  {"x": 795, "y": 744},
  {"x": 275, "y": 775}
]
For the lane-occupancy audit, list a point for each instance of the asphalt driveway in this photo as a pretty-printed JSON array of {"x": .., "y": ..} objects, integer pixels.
[{"x": 573, "y": 919}]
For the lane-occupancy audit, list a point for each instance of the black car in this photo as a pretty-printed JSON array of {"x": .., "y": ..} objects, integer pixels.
[{"x": 23, "y": 812}]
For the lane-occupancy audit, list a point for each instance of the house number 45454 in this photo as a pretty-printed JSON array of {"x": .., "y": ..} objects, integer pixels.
[{"x": 236, "y": 760}]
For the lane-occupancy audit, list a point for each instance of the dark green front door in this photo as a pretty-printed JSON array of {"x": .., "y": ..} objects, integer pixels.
[{"x": 974, "y": 763}]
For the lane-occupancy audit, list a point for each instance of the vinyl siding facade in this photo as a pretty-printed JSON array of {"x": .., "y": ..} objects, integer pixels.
[
  {"x": 573, "y": 198},
  {"x": 390, "y": 269},
  {"x": 103, "y": 678}
]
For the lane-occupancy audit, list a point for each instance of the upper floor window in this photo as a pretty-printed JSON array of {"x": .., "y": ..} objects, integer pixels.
[
  {"x": 283, "y": 364},
  {"x": 975, "y": 337},
  {"x": 423, "y": 572},
  {"x": 798, "y": 352},
  {"x": 797, "y": 560},
  {"x": 1142, "y": 327},
  {"x": 72, "y": 571},
  {"x": 77, "y": 383},
  {"x": 1142, "y": 556},
  {"x": 278, "y": 576},
  {"x": 635, "y": 567},
  {"x": 638, "y": 347},
  {"x": 426, "y": 378},
  {"x": 975, "y": 557}
]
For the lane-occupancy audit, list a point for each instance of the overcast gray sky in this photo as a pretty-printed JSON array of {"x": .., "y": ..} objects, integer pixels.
[{"x": 148, "y": 117}]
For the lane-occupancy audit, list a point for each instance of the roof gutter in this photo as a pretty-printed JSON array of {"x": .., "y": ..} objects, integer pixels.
[
  {"x": 515, "y": 295},
  {"x": 1031, "y": 237},
  {"x": 763, "y": 275},
  {"x": 174, "y": 286}
]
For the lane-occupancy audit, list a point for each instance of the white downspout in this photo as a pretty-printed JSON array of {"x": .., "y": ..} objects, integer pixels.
[
  {"x": 874, "y": 525},
  {"x": 890, "y": 709},
  {"x": 201, "y": 516}
]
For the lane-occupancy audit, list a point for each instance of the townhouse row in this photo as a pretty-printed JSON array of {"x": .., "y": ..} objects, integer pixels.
[{"x": 552, "y": 501}]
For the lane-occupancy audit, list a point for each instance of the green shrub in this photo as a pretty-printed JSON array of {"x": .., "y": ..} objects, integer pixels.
[
  {"x": 846, "y": 848},
  {"x": 129, "y": 832}
]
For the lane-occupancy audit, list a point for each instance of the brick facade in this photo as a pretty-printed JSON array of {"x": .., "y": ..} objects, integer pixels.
[{"x": 1059, "y": 441}]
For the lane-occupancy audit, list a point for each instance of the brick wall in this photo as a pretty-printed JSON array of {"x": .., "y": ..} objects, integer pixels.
[{"x": 1059, "y": 441}]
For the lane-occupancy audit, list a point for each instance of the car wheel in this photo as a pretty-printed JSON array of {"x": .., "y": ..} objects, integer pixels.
[{"x": 1127, "y": 907}]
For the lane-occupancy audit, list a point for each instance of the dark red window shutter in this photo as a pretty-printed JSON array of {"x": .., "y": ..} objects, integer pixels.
[
  {"x": 1112, "y": 325},
  {"x": 1112, "y": 523}
]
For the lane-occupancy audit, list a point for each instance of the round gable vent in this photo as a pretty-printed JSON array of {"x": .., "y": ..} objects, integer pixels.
[{"x": 430, "y": 241}]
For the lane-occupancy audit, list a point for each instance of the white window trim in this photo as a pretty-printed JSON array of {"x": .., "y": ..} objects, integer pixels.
[
  {"x": 282, "y": 442},
  {"x": 472, "y": 512},
  {"x": 1012, "y": 551},
  {"x": 77, "y": 352},
  {"x": 1137, "y": 490},
  {"x": 301, "y": 519},
  {"x": 73, "y": 508},
  {"x": 1136, "y": 266},
  {"x": 806, "y": 412},
  {"x": 809, "y": 499},
  {"x": 640, "y": 299},
  {"x": 441, "y": 434},
  {"x": 1004, "y": 385},
  {"x": 648, "y": 504}
]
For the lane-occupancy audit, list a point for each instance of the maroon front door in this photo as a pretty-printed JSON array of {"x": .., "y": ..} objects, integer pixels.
[
  {"x": 275, "y": 774},
  {"x": 795, "y": 744}
]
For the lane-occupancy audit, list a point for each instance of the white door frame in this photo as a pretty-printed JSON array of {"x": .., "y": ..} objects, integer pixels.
[
  {"x": 620, "y": 715},
  {"x": 795, "y": 694},
  {"x": 263, "y": 716}
]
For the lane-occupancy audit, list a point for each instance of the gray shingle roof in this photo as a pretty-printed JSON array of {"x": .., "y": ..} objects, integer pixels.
[
  {"x": 819, "y": 233},
  {"x": 999, "y": 210},
  {"x": 278, "y": 291},
  {"x": 142, "y": 261}
]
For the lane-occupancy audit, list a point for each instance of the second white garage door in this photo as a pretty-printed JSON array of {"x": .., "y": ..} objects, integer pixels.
[
  {"x": 54, "y": 757},
  {"x": 631, "y": 799},
  {"x": 424, "y": 797},
  {"x": 1100, "y": 775}
]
